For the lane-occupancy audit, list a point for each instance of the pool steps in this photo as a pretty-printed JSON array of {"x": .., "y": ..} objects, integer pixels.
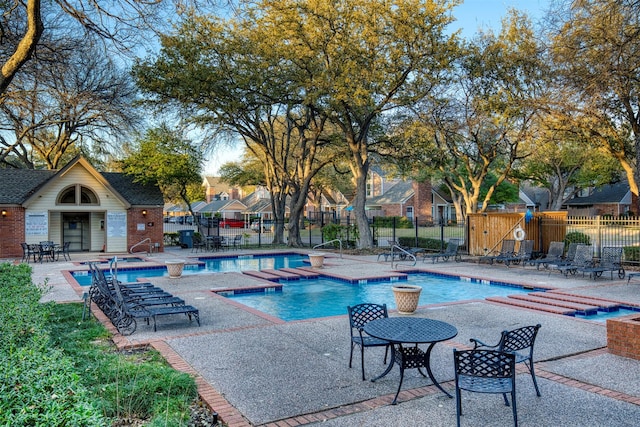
[
  {"x": 282, "y": 273},
  {"x": 561, "y": 303}
]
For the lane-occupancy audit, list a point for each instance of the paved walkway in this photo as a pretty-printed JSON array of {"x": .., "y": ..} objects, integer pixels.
[{"x": 255, "y": 370}]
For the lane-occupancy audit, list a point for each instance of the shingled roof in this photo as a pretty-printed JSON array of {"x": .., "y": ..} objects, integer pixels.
[
  {"x": 613, "y": 193},
  {"x": 399, "y": 193},
  {"x": 20, "y": 184}
]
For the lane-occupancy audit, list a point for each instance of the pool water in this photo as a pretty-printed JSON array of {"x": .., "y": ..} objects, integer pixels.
[
  {"x": 322, "y": 297},
  {"x": 208, "y": 265},
  {"x": 602, "y": 316}
]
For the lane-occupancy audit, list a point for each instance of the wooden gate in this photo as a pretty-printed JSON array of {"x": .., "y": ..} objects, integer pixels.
[{"x": 488, "y": 230}]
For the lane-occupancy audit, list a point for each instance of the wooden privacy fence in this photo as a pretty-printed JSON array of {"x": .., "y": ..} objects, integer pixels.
[{"x": 487, "y": 231}]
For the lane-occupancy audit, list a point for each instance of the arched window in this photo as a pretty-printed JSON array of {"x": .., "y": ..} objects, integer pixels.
[{"x": 77, "y": 195}]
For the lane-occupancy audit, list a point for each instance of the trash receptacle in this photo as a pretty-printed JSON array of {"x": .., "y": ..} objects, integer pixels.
[{"x": 186, "y": 238}]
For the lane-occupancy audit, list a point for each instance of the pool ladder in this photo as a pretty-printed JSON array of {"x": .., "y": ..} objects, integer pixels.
[
  {"x": 401, "y": 250},
  {"x": 332, "y": 241}
]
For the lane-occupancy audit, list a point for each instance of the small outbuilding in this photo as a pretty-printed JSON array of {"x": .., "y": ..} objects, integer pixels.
[{"x": 93, "y": 211}]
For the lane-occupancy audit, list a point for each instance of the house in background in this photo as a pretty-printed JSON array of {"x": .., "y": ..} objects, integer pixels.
[
  {"x": 93, "y": 211},
  {"x": 378, "y": 181},
  {"x": 259, "y": 204},
  {"x": 443, "y": 207},
  {"x": 215, "y": 189},
  {"x": 613, "y": 199},
  {"x": 332, "y": 203},
  {"x": 536, "y": 199},
  {"x": 405, "y": 199}
]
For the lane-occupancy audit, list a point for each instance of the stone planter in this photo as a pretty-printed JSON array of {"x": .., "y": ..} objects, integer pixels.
[
  {"x": 316, "y": 259},
  {"x": 174, "y": 267},
  {"x": 407, "y": 297},
  {"x": 623, "y": 336}
]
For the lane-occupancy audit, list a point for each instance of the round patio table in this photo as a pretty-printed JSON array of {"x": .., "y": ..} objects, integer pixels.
[{"x": 411, "y": 330}]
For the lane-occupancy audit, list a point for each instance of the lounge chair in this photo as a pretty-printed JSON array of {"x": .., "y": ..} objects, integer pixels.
[
  {"x": 553, "y": 255},
  {"x": 451, "y": 251},
  {"x": 525, "y": 251},
  {"x": 582, "y": 259},
  {"x": 610, "y": 260},
  {"x": 507, "y": 250},
  {"x": 398, "y": 253}
]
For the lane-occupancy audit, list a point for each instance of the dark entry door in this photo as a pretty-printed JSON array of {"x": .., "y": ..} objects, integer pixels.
[{"x": 76, "y": 231}]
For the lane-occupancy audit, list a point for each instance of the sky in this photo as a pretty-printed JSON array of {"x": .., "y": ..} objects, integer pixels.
[
  {"x": 474, "y": 14},
  {"x": 470, "y": 16}
]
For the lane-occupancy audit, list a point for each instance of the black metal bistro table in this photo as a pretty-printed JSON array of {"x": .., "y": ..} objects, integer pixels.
[{"x": 410, "y": 330}]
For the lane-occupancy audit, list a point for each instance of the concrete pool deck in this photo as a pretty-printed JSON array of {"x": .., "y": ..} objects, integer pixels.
[{"x": 256, "y": 370}]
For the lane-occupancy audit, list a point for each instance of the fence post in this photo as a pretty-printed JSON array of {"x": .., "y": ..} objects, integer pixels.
[
  {"x": 441, "y": 233},
  {"x": 598, "y": 234},
  {"x": 394, "y": 229},
  {"x": 415, "y": 225}
]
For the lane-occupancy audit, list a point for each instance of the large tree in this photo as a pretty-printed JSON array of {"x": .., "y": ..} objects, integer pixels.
[
  {"x": 473, "y": 129},
  {"x": 230, "y": 75},
  {"x": 72, "y": 99},
  {"x": 163, "y": 156},
  {"x": 596, "y": 49},
  {"x": 120, "y": 23},
  {"x": 364, "y": 59},
  {"x": 564, "y": 161}
]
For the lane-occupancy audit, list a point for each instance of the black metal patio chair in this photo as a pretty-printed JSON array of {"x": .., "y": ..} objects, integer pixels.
[
  {"x": 519, "y": 342},
  {"x": 485, "y": 371},
  {"x": 360, "y": 315},
  {"x": 582, "y": 259},
  {"x": 29, "y": 252},
  {"x": 64, "y": 250}
]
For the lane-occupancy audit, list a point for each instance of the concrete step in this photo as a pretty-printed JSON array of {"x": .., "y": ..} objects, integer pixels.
[
  {"x": 287, "y": 275},
  {"x": 301, "y": 272},
  {"x": 261, "y": 275},
  {"x": 583, "y": 309},
  {"x": 580, "y": 300},
  {"x": 532, "y": 305}
]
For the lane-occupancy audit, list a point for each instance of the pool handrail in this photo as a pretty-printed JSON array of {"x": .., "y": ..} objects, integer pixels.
[
  {"x": 332, "y": 241},
  {"x": 401, "y": 249},
  {"x": 145, "y": 240}
]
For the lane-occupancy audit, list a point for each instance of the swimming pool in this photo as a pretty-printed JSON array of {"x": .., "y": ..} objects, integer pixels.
[
  {"x": 602, "y": 316},
  {"x": 206, "y": 265},
  {"x": 322, "y": 297}
]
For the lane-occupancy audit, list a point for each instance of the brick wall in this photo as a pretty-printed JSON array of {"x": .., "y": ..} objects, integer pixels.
[
  {"x": 422, "y": 200},
  {"x": 623, "y": 336},
  {"x": 11, "y": 232},
  {"x": 154, "y": 228}
]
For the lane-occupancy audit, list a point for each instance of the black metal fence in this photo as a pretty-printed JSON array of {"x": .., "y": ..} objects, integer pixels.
[{"x": 416, "y": 232}]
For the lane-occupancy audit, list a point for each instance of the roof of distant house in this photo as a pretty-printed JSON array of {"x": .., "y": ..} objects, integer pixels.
[{"x": 612, "y": 193}]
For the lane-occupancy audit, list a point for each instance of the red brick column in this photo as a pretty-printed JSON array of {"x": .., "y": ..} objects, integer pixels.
[
  {"x": 623, "y": 336},
  {"x": 12, "y": 232}
]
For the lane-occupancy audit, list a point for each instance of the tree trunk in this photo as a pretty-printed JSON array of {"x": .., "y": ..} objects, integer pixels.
[
  {"x": 364, "y": 231},
  {"x": 25, "y": 48}
]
